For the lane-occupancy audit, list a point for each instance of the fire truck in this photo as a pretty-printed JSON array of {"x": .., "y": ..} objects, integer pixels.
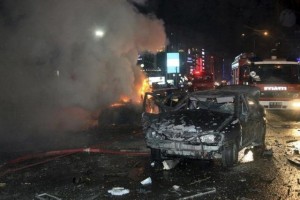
[
  {"x": 201, "y": 81},
  {"x": 278, "y": 80}
]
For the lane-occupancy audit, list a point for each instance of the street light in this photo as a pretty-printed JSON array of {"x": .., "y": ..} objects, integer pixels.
[
  {"x": 99, "y": 33},
  {"x": 254, "y": 34}
]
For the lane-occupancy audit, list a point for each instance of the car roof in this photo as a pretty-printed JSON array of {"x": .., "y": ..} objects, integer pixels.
[
  {"x": 245, "y": 89},
  {"x": 230, "y": 90},
  {"x": 214, "y": 93}
]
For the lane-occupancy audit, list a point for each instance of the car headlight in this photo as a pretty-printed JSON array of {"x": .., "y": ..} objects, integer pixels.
[
  {"x": 154, "y": 135},
  {"x": 151, "y": 134},
  {"x": 296, "y": 104},
  {"x": 208, "y": 138}
]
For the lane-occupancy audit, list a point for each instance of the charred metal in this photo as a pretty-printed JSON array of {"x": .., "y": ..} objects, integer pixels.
[{"x": 210, "y": 124}]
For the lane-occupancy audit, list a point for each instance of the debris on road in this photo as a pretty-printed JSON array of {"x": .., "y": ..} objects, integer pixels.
[
  {"x": 147, "y": 181},
  {"x": 2, "y": 185},
  {"x": 267, "y": 179},
  {"x": 176, "y": 187},
  {"x": 268, "y": 152},
  {"x": 152, "y": 164},
  {"x": 118, "y": 191},
  {"x": 199, "y": 181},
  {"x": 242, "y": 180},
  {"x": 178, "y": 190},
  {"x": 46, "y": 196},
  {"x": 294, "y": 159},
  {"x": 206, "y": 192},
  {"x": 169, "y": 164},
  {"x": 289, "y": 141}
]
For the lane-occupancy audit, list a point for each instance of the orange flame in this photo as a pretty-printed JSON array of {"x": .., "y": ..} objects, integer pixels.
[
  {"x": 144, "y": 88},
  {"x": 125, "y": 99},
  {"x": 140, "y": 90}
]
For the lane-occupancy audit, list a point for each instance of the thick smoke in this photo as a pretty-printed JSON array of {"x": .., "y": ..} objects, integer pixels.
[{"x": 55, "y": 69}]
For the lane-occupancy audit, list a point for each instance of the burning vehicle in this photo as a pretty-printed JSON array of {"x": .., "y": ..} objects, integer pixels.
[
  {"x": 211, "y": 124},
  {"x": 121, "y": 113}
]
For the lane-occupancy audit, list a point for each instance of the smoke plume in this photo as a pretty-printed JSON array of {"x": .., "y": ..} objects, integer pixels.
[{"x": 62, "y": 58}]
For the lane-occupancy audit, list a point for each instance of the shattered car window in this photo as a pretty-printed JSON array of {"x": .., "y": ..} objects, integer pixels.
[{"x": 219, "y": 104}]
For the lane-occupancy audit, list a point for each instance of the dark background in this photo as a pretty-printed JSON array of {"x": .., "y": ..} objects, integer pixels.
[{"x": 218, "y": 25}]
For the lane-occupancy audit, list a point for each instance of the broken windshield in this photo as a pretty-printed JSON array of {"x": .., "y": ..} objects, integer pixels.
[{"x": 219, "y": 104}]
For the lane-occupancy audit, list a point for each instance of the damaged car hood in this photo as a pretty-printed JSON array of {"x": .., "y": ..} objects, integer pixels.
[{"x": 185, "y": 122}]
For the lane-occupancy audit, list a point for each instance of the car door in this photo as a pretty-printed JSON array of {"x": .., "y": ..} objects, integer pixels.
[
  {"x": 247, "y": 121},
  {"x": 257, "y": 117}
]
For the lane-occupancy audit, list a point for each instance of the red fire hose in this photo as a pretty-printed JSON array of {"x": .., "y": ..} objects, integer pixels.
[{"x": 62, "y": 153}]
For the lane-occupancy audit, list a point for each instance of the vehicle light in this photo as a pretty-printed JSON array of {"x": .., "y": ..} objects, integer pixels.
[
  {"x": 208, "y": 138},
  {"x": 251, "y": 102},
  {"x": 155, "y": 135},
  {"x": 296, "y": 104}
]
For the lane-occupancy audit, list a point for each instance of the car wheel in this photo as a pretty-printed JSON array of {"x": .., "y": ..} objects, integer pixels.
[
  {"x": 156, "y": 155},
  {"x": 258, "y": 150},
  {"x": 230, "y": 155},
  {"x": 263, "y": 137}
]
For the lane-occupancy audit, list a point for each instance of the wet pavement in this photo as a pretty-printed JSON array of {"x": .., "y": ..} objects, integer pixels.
[{"x": 101, "y": 163}]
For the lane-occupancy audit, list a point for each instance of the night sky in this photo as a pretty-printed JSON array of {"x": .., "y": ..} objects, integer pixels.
[{"x": 217, "y": 25}]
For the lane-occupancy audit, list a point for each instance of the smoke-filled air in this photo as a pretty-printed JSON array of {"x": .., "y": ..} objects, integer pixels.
[{"x": 62, "y": 60}]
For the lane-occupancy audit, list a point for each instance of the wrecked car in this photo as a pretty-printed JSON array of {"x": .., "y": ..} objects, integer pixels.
[
  {"x": 121, "y": 113},
  {"x": 212, "y": 124}
]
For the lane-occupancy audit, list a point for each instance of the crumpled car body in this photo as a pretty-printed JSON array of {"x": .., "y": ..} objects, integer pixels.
[{"x": 210, "y": 124}]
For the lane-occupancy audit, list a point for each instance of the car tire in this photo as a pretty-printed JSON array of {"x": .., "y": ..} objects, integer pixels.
[
  {"x": 156, "y": 155},
  {"x": 263, "y": 142},
  {"x": 259, "y": 150},
  {"x": 230, "y": 155}
]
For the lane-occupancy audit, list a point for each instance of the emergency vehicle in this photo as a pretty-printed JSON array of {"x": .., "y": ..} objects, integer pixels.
[
  {"x": 278, "y": 80},
  {"x": 201, "y": 81}
]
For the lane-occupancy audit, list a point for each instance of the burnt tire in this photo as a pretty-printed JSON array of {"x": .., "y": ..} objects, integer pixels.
[
  {"x": 230, "y": 155},
  {"x": 156, "y": 155}
]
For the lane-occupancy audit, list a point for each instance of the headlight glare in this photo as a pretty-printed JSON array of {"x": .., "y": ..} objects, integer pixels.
[{"x": 296, "y": 104}]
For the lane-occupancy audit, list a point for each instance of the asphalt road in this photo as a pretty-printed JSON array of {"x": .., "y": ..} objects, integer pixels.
[{"x": 88, "y": 165}]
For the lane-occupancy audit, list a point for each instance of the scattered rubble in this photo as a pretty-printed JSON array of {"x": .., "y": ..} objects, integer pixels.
[
  {"x": 200, "y": 194},
  {"x": 46, "y": 196},
  {"x": 169, "y": 164},
  {"x": 176, "y": 187},
  {"x": 147, "y": 181},
  {"x": 268, "y": 152},
  {"x": 152, "y": 164},
  {"x": 118, "y": 191},
  {"x": 199, "y": 181},
  {"x": 294, "y": 159}
]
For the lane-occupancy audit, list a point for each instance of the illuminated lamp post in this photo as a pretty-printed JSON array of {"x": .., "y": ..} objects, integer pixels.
[
  {"x": 265, "y": 34},
  {"x": 99, "y": 33},
  {"x": 256, "y": 33}
]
